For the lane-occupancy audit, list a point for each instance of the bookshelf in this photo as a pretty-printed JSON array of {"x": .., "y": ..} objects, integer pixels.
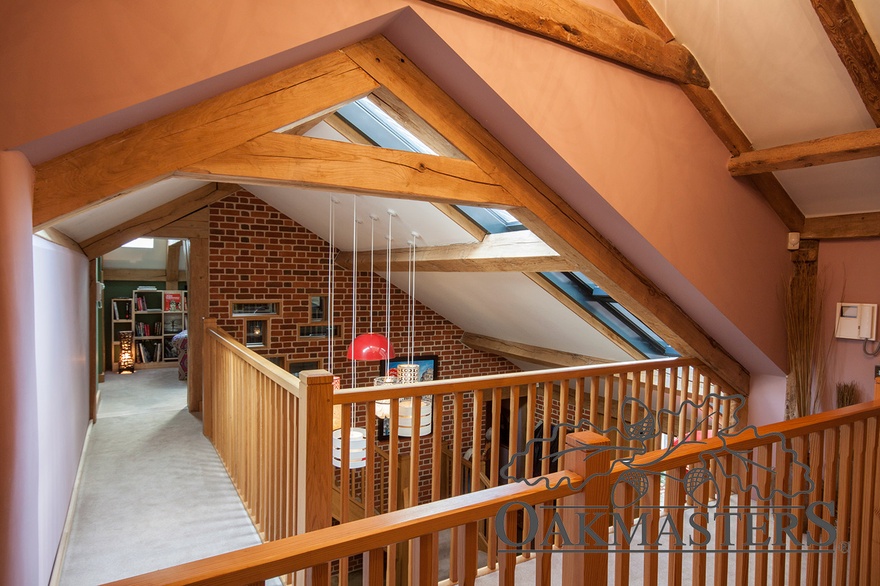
[{"x": 157, "y": 316}]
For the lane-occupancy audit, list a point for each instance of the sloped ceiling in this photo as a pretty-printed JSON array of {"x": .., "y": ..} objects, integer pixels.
[
  {"x": 775, "y": 70},
  {"x": 771, "y": 65}
]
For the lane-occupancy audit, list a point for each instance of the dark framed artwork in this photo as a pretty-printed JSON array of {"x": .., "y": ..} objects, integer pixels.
[{"x": 428, "y": 366}]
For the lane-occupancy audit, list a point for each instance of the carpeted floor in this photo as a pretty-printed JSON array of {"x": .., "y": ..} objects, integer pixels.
[{"x": 153, "y": 492}]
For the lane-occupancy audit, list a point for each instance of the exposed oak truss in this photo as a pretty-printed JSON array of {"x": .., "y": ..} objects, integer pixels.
[{"x": 231, "y": 138}]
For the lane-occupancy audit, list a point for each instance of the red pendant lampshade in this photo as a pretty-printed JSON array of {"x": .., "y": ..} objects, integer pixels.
[{"x": 370, "y": 346}]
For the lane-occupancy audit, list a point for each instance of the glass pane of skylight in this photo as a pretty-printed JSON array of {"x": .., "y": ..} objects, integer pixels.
[
  {"x": 616, "y": 317},
  {"x": 493, "y": 221},
  {"x": 381, "y": 128},
  {"x": 139, "y": 243}
]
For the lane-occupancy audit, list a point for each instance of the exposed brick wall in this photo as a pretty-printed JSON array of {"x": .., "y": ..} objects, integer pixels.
[{"x": 258, "y": 253}]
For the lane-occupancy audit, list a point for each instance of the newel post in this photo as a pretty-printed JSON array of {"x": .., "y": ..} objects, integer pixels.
[
  {"x": 586, "y": 513},
  {"x": 209, "y": 373},
  {"x": 315, "y": 472}
]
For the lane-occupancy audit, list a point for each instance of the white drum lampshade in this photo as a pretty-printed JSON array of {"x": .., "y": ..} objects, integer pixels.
[
  {"x": 357, "y": 447},
  {"x": 405, "y": 417}
]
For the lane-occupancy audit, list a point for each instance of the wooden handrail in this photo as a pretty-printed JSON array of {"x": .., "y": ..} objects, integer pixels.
[
  {"x": 266, "y": 561},
  {"x": 272, "y": 371},
  {"x": 689, "y": 452},
  {"x": 438, "y": 387}
]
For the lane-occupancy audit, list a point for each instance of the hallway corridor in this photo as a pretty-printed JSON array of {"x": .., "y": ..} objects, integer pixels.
[{"x": 153, "y": 492}]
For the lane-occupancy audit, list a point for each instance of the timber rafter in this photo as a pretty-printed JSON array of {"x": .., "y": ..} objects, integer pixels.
[
  {"x": 222, "y": 139},
  {"x": 511, "y": 251}
]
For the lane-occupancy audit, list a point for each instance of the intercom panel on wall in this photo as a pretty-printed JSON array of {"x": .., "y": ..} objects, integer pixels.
[{"x": 856, "y": 321}]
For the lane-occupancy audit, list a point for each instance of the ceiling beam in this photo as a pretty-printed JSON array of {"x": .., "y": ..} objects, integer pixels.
[
  {"x": 821, "y": 151},
  {"x": 154, "y": 219},
  {"x": 855, "y": 47},
  {"x": 589, "y": 29},
  {"x": 59, "y": 238},
  {"x": 641, "y": 12},
  {"x": 315, "y": 163},
  {"x": 192, "y": 226},
  {"x": 866, "y": 225},
  {"x": 507, "y": 252},
  {"x": 527, "y": 352},
  {"x": 720, "y": 121},
  {"x": 144, "y": 154},
  {"x": 544, "y": 211},
  {"x": 142, "y": 275},
  {"x": 172, "y": 265}
]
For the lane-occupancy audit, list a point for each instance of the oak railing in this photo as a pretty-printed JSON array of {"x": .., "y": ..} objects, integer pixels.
[
  {"x": 839, "y": 447},
  {"x": 472, "y": 419},
  {"x": 272, "y": 431},
  {"x": 790, "y": 503}
]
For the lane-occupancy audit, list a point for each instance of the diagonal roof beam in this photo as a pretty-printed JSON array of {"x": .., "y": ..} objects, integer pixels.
[
  {"x": 595, "y": 31},
  {"x": 820, "y": 151},
  {"x": 507, "y": 252},
  {"x": 283, "y": 159},
  {"x": 855, "y": 47},
  {"x": 527, "y": 352},
  {"x": 865, "y": 225},
  {"x": 146, "y": 153},
  {"x": 155, "y": 219},
  {"x": 542, "y": 209}
]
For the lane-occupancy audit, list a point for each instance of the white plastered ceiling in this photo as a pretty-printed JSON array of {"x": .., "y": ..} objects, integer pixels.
[{"x": 777, "y": 73}]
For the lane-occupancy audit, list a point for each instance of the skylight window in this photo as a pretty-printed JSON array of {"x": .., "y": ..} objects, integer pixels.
[
  {"x": 139, "y": 243},
  {"x": 493, "y": 221},
  {"x": 380, "y": 128},
  {"x": 611, "y": 313}
]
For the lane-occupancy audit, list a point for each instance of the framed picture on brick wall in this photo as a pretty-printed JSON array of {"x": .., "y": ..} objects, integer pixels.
[{"x": 428, "y": 366}]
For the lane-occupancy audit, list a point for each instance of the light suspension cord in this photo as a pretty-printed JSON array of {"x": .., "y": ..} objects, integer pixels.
[
  {"x": 391, "y": 214},
  {"x": 354, "y": 263},
  {"x": 374, "y": 219},
  {"x": 331, "y": 277},
  {"x": 412, "y": 295}
]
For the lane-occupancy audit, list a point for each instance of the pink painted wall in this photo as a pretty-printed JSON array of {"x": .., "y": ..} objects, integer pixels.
[
  {"x": 19, "y": 446},
  {"x": 62, "y": 391},
  {"x": 628, "y": 151},
  {"x": 851, "y": 271}
]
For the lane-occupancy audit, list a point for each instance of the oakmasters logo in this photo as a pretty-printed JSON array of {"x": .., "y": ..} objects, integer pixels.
[{"x": 773, "y": 517}]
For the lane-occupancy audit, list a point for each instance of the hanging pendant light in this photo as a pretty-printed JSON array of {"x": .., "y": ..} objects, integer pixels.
[
  {"x": 357, "y": 442},
  {"x": 371, "y": 346},
  {"x": 409, "y": 373}
]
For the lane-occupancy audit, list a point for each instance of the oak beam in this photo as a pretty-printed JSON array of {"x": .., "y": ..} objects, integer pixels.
[
  {"x": 527, "y": 352},
  {"x": 156, "y": 218},
  {"x": 315, "y": 163},
  {"x": 866, "y": 225},
  {"x": 507, "y": 252},
  {"x": 641, "y": 12},
  {"x": 141, "y": 155},
  {"x": 60, "y": 238},
  {"x": 544, "y": 211},
  {"x": 856, "y": 49},
  {"x": 194, "y": 225},
  {"x": 172, "y": 266},
  {"x": 820, "y": 151},
  {"x": 142, "y": 275},
  {"x": 589, "y": 29}
]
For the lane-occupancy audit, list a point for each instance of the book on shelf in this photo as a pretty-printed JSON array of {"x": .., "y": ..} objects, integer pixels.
[{"x": 173, "y": 302}]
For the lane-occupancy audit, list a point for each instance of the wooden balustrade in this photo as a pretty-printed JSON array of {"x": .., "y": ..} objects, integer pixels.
[
  {"x": 824, "y": 463},
  {"x": 473, "y": 421},
  {"x": 272, "y": 431},
  {"x": 838, "y": 447}
]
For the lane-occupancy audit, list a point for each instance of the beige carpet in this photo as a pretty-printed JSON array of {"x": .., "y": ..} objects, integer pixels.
[{"x": 153, "y": 492}]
